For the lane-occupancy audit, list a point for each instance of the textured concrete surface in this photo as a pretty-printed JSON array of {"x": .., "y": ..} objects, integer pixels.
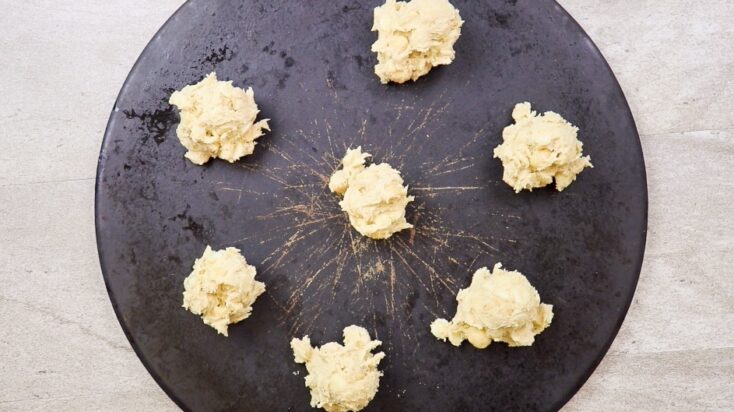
[{"x": 62, "y": 64}]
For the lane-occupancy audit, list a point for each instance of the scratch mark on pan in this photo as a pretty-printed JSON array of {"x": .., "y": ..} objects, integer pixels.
[
  {"x": 324, "y": 265},
  {"x": 447, "y": 188}
]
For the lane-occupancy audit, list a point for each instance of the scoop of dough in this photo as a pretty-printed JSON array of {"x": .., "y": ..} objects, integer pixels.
[
  {"x": 341, "y": 378},
  {"x": 217, "y": 120},
  {"x": 500, "y": 306},
  {"x": 413, "y": 37},
  {"x": 540, "y": 148},
  {"x": 352, "y": 164},
  {"x": 221, "y": 288},
  {"x": 374, "y": 196}
]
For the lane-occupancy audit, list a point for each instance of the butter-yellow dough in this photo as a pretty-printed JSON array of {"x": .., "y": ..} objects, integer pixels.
[
  {"x": 352, "y": 164},
  {"x": 500, "y": 306},
  {"x": 374, "y": 196},
  {"x": 540, "y": 148},
  {"x": 221, "y": 288},
  {"x": 341, "y": 378},
  {"x": 413, "y": 37},
  {"x": 217, "y": 120}
]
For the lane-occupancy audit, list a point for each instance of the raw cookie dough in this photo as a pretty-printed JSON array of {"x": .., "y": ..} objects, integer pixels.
[
  {"x": 540, "y": 148},
  {"x": 413, "y": 37},
  {"x": 352, "y": 165},
  {"x": 341, "y": 378},
  {"x": 374, "y": 196},
  {"x": 221, "y": 288},
  {"x": 501, "y": 306},
  {"x": 217, "y": 120}
]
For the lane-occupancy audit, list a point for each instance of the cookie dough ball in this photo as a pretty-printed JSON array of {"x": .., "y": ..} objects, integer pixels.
[
  {"x": 217, "y": 120},
  {"x": 500, "y": 306},
  {"x": 221, "y": 288},
  {"x": 374, "y": 196},
  {"x": 538, "y": 149},
  {"x": 413, "y": 37},
  {"x": 352, "y": 164},
  {"x": 341, "y": 378}
]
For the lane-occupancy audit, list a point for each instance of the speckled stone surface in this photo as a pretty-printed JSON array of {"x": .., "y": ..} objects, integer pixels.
[{"x": 311, "y": 70}]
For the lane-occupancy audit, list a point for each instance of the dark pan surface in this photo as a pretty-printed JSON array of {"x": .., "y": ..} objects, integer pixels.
[{"x": 310, "y": 65}]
